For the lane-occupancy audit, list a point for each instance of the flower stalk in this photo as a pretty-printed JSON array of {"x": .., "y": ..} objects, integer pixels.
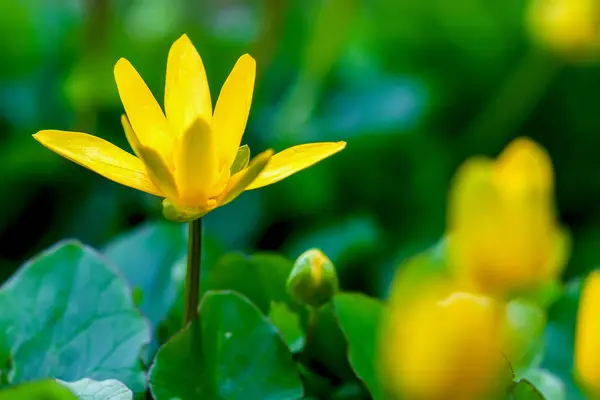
[{"x": 192, "y": 279}]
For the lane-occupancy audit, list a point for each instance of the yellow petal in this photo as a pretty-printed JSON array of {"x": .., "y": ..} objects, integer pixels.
[
  {"x": 100, "y": 156},
  {"x": 144, "y": 113},
  {"x": 233, "y": 107},
  {"x": 187, "y": 96},
  {"x": 197, "y": 171},
  {"x": 159, "y": 172},
  {"x": 240, "y": 181},
  {"x": 587, "y": 339},
  {"x": 130, "y": 134},
  {"x": 294, "y": 159},
  {"x": 524, "y": 167}
]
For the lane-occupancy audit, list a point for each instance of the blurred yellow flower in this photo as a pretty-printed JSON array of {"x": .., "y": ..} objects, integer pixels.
[
  {"x": 188, "y": 155},
  {"x": 587, "y": 337},
  {"x": 570, "y": 28},
  {"x": 503, "y": 236},
  {"x": 438, "y": 343}
]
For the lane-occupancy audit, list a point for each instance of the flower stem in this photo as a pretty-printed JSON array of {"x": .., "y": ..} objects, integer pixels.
[
  {"x": 192, "y": 279},
  {"x": 311, "y": 332}
]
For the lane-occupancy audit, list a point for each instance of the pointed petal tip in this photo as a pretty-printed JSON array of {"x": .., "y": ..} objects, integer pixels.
[{"x": 41, "y": 135}]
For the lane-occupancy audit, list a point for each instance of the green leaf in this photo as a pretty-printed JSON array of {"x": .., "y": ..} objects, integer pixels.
[
  {"x": 66, "y": 314},
  {"x": 547, "y": 384},
  {"x": 230, "y": 352},
  {"x": 110, "y": 389},
  {"x": 40, "y": 390},
  {"x": 360, "y": 318},
  {"x": 288, "y": 324},
  {"x": 329, "y": 349},
  {"x": 261, "y": 278},
  {"x": 147, "y": 257},
  {"x": 560, "y": 339},
  {"x": 524, "y": 390},
  {"x": 525, "y": 335},
  {"x": 152, "y": 258}
]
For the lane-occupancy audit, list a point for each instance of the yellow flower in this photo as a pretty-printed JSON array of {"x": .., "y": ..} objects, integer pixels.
[
  {"x": 439, "y": 341},
  {"x": 568, "y": 27},
  {"x": 189, "y": 155},
  {"x": 587, "y": 337},
  {"x": 503, "y": 237}
]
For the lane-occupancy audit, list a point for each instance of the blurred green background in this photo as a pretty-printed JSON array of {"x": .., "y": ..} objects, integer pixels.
[{"x": 414, "y": 86}]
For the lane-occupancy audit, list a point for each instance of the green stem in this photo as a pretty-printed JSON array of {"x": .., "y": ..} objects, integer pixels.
[
  {"x": 514, "y": 101},
  {"x": 192, "y": 279},
  {"x": 311, "y": 332}
]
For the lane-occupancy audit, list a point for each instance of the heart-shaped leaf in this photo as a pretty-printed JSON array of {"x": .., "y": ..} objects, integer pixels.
[
  {"x": 147, "y": 256},
  {"x": 110, "y": 389},
  {"x": 360, "y": 318},
  {"x": 229, "y": 352},
  {"x": 66, "y": 314}
]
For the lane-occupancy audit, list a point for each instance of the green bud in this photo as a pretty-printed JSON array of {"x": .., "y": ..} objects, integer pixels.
[{"x": 313, "y": 280}]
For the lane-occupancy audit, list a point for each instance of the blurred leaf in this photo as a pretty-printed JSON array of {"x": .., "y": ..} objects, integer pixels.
[
  {"x": 340, "y": 240},
  {"x": 288, "y": 324},
  {"x": 315, "y": 385},
  {"x": 87, "y": 389},
  {"x": 329, "y": 349},
  {"x": 231, "y": 351},
  {"x": 547, "y": 384},
  {"x": 524, "y": 390},
  {"x": 360, "y": 318},
  {"x": 525, "y": 335},
  {"x": 147, "y": 256},
  {"x": 40, "y": 390},
  {"x": 80, "y": 321},
  {"x": 261, "y": 278},
  {"x": 560, "y": 339}
]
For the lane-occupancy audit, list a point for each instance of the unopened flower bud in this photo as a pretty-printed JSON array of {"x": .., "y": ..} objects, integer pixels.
[{"x": 313, "y": 280}]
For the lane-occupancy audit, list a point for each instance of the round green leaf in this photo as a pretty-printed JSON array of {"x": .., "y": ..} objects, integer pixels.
[
  {"x": 147, "y": 257},
  {"x": 360, "y": 318},
  {"x": 66, "y": 314},
  {"x": 41, "y": 390},
  {"x": 110, "y": 389},
  {"x": 230, "y": 352}
]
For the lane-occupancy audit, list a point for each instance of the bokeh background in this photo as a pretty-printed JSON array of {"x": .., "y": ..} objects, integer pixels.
[{"x": 414, "y": 86}]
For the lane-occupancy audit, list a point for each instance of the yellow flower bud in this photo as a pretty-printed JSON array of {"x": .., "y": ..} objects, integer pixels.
[
  {"x": 438, "y": 342},
  {"x": 570, "y": 28},
  {"x": 503, "y": 236},
  {"x": 313, "y": 280},
  {"x": 587, "y": 337}
]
